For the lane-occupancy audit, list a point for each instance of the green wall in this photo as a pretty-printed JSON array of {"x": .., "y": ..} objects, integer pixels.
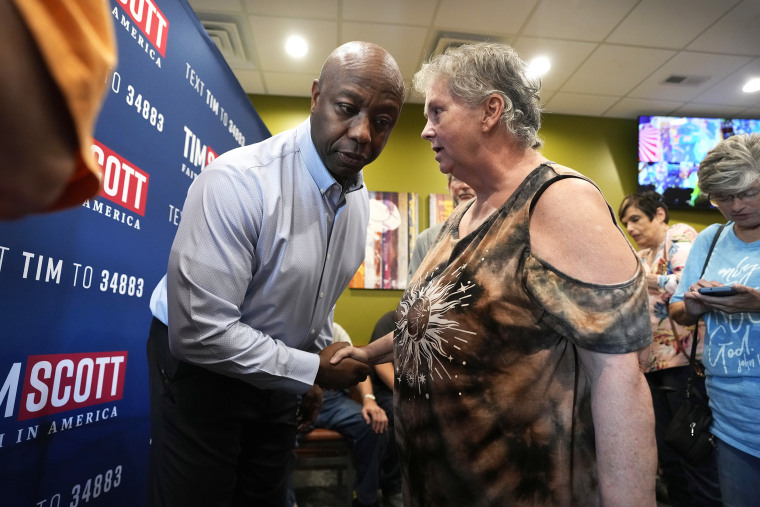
[{"x": 603, "y": 149}]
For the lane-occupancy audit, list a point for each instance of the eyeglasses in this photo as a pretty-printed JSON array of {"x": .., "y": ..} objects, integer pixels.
[{"x": 746, "y": 196}]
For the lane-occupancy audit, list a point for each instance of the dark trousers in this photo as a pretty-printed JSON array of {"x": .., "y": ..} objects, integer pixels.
[
  {"x": 215, "y": 440},
  {"x": 687, "y": 485},
  {"x": 390, "y": 471}
]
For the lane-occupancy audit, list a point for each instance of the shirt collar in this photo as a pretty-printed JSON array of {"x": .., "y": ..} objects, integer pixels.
[{"x": 319, "y": 173}]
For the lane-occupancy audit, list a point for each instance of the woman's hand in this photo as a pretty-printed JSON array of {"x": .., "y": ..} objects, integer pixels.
[
  {"x": 693, "y": 303},
  {"x": 747, "y": 300},
  {"x": 357, "y": 353},
  {"x": 379, "y": 351}
]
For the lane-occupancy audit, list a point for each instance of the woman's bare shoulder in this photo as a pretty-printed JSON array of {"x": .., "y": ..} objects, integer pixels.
[{"x": 573, "y": 229}]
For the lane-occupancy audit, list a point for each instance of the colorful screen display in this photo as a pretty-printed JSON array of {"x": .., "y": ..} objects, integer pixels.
[{"x": 670, "y": 149}]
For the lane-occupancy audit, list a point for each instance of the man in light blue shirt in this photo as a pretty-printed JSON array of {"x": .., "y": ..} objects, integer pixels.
[{"x": 270, "y": 236}]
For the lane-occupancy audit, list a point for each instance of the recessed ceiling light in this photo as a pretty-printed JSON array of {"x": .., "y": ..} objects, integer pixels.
[
  {"x": 539, "y": 66},
  {"x": 752, "y": 85},
  {"x": 296, "y": 46}
]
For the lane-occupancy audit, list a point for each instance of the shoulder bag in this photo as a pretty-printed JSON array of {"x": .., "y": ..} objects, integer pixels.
[{"x": 688, "y": 432}]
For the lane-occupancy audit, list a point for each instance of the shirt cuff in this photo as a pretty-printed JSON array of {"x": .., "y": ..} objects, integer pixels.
[{"x": 304, "y": 368}]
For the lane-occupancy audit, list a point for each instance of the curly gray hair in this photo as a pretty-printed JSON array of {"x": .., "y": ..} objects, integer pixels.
[
  {"x": 732, "y": 166},
  {"x": 477, "y": 71}
]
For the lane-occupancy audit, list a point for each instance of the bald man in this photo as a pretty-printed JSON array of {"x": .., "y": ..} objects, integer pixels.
[{"x": 270, "y": 236}]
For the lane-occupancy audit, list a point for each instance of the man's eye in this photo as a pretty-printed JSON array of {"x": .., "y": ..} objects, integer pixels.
[
  {"x": 383, "y": 122},
  {"x": 347, "y": 108}
]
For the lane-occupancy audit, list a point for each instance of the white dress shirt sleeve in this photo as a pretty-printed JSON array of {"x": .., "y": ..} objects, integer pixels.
[{"x": 210, "y": 269}]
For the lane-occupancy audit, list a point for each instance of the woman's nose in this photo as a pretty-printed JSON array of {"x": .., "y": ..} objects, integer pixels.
[{"x": 427, "y": 131}]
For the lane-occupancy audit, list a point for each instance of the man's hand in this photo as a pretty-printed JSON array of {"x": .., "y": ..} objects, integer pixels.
[
  {"x": 346, "y": 373},
  {"x": 311, "y": 404},
  {"x": 375, "y": 415}
]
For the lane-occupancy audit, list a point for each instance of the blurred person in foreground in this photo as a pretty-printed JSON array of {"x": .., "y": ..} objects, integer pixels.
[
  {"x": 55, "y": 56},
  {"x": 460, "y": 192},
  {"x": 270, "y": 236},
  {"x": 518, "y": 339},
  {"x": 663, "y": 250},
  {"x": 730, "y": 175}
]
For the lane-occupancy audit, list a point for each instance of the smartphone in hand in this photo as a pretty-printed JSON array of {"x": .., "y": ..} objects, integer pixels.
[{"x": 722, "y": 290}]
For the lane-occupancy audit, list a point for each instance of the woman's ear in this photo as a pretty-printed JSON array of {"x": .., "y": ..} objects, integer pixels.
[
  {"x": 492, "y": 109},
  {"x": 660, "y": 214}
]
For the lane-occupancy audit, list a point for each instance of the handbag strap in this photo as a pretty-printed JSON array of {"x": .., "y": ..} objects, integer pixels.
[
  {"x": 693, "y": 356},
  {"x": 710, "y": 251}
]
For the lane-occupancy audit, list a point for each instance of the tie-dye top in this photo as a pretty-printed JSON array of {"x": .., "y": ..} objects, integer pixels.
[{"x": 492, "y": 405}]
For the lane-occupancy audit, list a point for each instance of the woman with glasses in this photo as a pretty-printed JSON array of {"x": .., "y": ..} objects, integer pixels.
[{"x": 730, "y": 174}]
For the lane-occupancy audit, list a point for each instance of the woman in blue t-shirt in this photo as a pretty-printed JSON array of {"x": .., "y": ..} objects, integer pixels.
[{"x": 730, "y": 174}]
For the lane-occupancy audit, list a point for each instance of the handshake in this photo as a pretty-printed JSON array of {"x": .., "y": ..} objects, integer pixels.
[
  {"x": 337, "y": 370},
  {"x": 342, "y": 366}
]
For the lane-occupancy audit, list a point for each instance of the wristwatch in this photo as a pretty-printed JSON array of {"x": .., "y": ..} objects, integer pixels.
[{"x": 370, "y": 396}]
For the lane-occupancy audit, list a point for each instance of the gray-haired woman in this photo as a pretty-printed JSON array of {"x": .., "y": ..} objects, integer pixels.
[
  {"x": 516, "y": 342},
  {"x": 730, "y": 174}
]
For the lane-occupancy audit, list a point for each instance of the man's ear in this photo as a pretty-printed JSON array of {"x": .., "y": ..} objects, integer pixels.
[
  {"x": 314, "y": 94},
  {"x": 492, "y": 109}
]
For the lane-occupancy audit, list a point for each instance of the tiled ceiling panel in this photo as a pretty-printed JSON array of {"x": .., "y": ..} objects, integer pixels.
[{"x": 608, "y": 57}]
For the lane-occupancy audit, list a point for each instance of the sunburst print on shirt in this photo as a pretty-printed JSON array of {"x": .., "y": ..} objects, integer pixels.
[{"x": 426, "y": 341}]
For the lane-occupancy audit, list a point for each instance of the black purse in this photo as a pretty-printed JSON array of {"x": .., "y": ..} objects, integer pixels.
[{"x": 688, "y": 432}]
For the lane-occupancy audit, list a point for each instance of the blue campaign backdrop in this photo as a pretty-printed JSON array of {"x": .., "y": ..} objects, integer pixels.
[{"x": 75, "y": 285}]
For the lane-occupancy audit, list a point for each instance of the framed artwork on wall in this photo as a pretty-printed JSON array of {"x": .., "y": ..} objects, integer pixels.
[
  {"x": 393, "y": 227},
  {"x": 441, "y": 206}
]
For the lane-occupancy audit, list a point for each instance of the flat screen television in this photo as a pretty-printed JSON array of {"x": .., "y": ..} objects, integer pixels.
[{"x": 670, "y": 149}]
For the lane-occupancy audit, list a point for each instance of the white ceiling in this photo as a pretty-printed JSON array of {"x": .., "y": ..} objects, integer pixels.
[{"x": 609, "y": 57}]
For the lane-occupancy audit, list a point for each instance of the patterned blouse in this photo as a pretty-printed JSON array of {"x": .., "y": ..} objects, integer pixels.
[
  {"x": 665, "y": 351},
  {"x": 492, "y": 405}
]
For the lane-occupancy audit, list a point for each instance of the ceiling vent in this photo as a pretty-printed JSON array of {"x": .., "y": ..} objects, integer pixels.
[
  {"x": 229, "y": 35},
  {"x": 452, "y": 39},
  {"x": 686, "y": 80}
]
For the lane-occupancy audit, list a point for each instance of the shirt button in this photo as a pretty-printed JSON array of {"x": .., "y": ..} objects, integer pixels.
[
  {"x": 313, "y": 331},
  {"x": 321, "y": 294},
  {"x": 328, "y": 257}
]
